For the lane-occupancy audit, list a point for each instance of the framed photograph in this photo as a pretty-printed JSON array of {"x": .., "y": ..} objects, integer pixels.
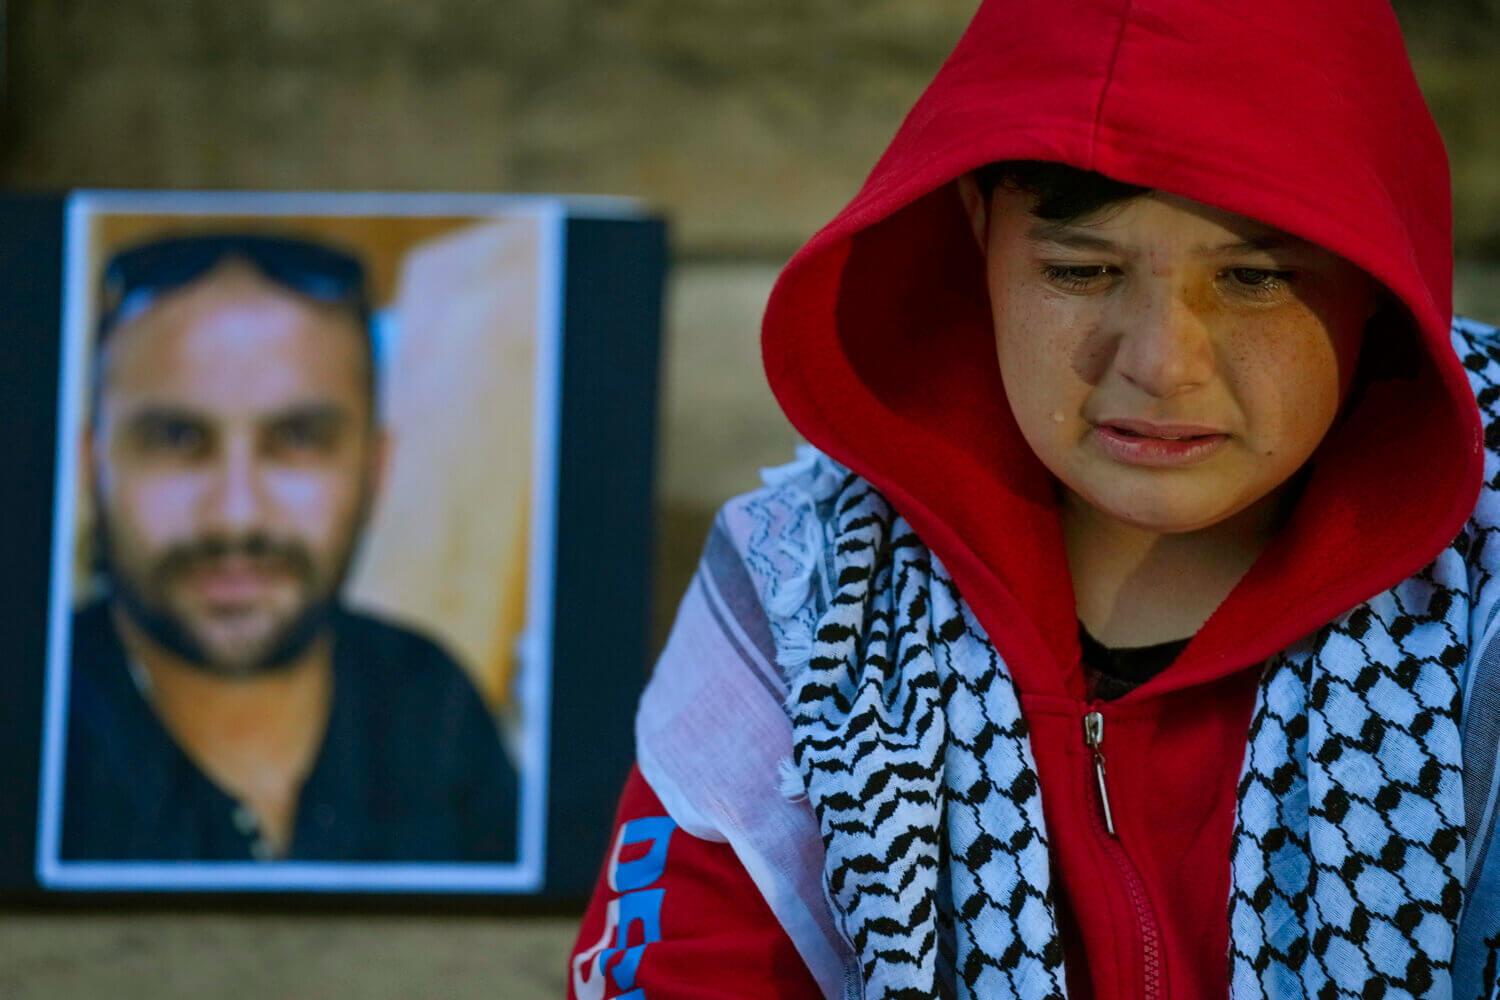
[{"x": 334, "y": 540}]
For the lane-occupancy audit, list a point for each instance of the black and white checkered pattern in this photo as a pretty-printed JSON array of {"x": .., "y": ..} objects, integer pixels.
[
  {"x": 911, "y": 745},
  {"x": 1348, "y": 847}
]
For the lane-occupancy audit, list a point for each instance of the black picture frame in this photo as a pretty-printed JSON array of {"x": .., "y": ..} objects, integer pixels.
[{"x": 611, "y": 261}]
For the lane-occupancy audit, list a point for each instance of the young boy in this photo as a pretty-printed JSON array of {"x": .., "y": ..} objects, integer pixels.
[{"x": 1128, "y": 633}]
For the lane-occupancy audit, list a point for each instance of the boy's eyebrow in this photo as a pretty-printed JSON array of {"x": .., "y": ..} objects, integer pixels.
[
  {"x": 1068, "y": 235},
  {"x": 1268, "y": 241}
]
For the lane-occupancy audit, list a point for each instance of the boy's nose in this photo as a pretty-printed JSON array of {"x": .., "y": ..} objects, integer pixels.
[{"x": 1165, "y": 346}]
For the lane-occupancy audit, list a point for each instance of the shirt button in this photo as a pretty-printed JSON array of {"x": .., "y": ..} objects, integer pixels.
[{"x": 244, "y": 820}]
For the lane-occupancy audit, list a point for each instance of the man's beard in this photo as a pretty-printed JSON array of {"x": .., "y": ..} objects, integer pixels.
[{"x": 145, "y": 603}]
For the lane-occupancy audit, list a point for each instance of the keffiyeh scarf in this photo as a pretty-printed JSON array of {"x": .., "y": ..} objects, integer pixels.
[{"x": 1348, "y": 849}]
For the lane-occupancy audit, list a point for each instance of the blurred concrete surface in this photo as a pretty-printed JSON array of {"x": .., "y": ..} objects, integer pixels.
[
  {"x": 719, "y": 425},
  {"x": 196, "y": 955},
  {"x": 1476, "y": 290},
  {"x": 720, "y": 421}
]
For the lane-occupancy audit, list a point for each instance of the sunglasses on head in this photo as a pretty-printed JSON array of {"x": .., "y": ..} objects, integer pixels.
[{"x": 136, "y": 277}]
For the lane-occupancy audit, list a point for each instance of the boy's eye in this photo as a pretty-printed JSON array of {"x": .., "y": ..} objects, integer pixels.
[
  {"x": 1262, "y": 281},
  {"x": 1076, "y": 276}
]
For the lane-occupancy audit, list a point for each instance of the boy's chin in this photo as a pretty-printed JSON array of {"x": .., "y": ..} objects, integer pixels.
[{"x": 1164, "y": 511}]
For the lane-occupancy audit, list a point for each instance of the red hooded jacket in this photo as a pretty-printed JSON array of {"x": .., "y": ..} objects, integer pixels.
[{"x": 878, "y": 345}]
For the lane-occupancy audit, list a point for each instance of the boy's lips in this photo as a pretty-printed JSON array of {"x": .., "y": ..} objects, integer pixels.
[
  {"x": 1141, "y": 442},
  {"x": 1147, "y": 428}
]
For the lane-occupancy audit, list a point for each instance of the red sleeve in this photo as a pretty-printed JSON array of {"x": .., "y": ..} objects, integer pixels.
[{"x": 676, "y": 917}]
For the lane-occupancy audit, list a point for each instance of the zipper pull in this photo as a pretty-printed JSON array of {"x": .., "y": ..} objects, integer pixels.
[{"x": 1093, "y": 736}]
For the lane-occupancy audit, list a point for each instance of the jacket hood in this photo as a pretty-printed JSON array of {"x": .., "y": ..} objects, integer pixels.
[{"x": 1306, "y": 116}]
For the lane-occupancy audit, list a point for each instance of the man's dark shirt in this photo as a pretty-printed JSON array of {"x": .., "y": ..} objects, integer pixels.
[{"x": 411, "y": 767}]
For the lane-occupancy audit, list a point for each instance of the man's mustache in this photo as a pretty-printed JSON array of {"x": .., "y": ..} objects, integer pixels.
[{"x": 261, "y": 550}]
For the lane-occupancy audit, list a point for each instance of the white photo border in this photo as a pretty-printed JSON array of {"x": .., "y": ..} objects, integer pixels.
[{"x": 526, "y": 874}]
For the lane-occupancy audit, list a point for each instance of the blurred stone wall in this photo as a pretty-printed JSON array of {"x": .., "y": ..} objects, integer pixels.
[
  {"x": 748, "y": 123},
  {"x": 1455, "y": 48}
]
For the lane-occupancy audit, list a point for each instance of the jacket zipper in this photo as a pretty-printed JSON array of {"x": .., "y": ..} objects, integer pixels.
[{"x": 1093, "y": 739}]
